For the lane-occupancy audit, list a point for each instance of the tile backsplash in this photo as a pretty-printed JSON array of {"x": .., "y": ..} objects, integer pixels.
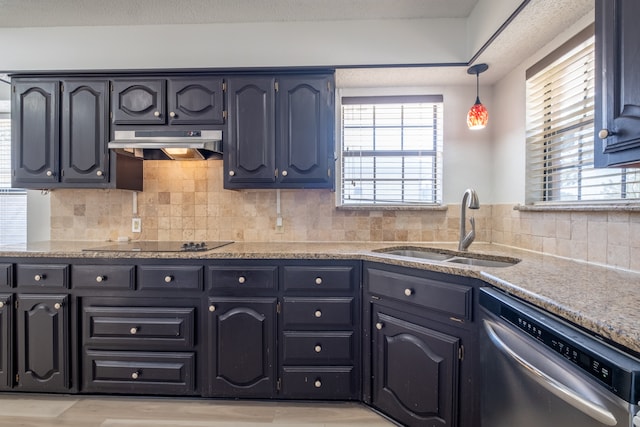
[{"x": 185, "y": 201}]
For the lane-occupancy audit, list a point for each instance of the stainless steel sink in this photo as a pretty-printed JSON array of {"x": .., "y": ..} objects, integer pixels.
[
  {"x": 449, "y": 256},
  {"x": 481, "y": 262},
  {"x": 418, "y": 253}
]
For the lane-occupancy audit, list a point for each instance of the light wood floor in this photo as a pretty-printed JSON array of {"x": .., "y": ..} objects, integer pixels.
[{"x": 19, "y": 410}]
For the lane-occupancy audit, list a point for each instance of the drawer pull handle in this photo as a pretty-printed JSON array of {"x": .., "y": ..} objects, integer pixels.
[
  {"x": 408, "y": 292},
  {"x": 318, "y": 348},
  {"x": 133, "y": 330},
  {"x": 318, "y": 280},
  {"x": 168, "y": 279},
  {"x": 318, "y": 313},
  {"x": 212, "y": 308},
  {"x": 317, "y": 383},
  {"x": 101, "y": 279},
  {"x": 39, "y": 277},
  {"x": 135, "y": 375},
  {"x": 379, "y": 325},
  {"x": 57, "y": 306},
  {"x": 242, "y": 279}
]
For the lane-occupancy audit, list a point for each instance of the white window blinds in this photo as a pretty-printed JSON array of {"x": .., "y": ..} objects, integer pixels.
[
  {"x": 392, "y": 150},
  {"x": 560, "y": 107},
  {"x": 13, "y": 202}
]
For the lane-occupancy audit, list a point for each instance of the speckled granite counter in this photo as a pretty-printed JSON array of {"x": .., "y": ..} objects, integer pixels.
[{"x": 605, "y": 301}]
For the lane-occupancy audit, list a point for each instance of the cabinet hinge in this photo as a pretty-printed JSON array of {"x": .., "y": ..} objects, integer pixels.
[
  {"x": 329, "y": 86},
  {"x": 278, "y": 384},
  {"x": 14, "y": 89},
  {"x": 278, "y": 308},
  {"x": 17, "y": 378},
  {"x": 375, "y": 297},
  {"x": 275, "y": 173},
  {"x": 455, "y": 319},
  {"x": 276, "y": 86},
  {"x": 224, "y": 86},
  {"x": 17, "y": 304},
  {"x": 329, "y": 172},
  {"x": 461, "y": 352},
  {"x": 61, "y": 87},
  {"x": 224, "y": 114},
  {"x": 111, "y": 86}
]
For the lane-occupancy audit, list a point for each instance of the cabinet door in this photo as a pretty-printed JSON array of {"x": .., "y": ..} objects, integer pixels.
[
  {"x": 415, "y": 372},
  {"x": 617, "y": 106},
  {"x": 242, "y": 346},
  {"x": 195, "y": 101},
  {"x": 305, "y": 130},
  {"x": 42, "y": 343},
  {"x": 5, "y": 340},
  {"x": 35, "y": 127},
  {"x": 85, "y": 109},
  {"x": 139, "y": 101},
  {"x": 249, "y": 156}
]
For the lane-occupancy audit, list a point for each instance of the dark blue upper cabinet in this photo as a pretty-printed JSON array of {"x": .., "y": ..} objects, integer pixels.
[
  {"x": 281, "y": 132},
  {"x": 617, "y": 109}
]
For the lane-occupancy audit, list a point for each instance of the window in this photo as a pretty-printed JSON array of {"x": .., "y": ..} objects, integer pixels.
[
  {"x": 391, "y": 150},
  {"x": 560, "y": 109},
  {"x": 13, "y": 202}
]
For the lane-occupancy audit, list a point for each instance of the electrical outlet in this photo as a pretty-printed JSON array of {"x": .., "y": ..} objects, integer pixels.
[
  {"x": 279, "y": 225},
  {"x": 136, "y": 225}
]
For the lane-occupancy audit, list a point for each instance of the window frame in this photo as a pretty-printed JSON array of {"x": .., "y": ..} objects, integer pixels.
[{"x": 381, "y": 96}]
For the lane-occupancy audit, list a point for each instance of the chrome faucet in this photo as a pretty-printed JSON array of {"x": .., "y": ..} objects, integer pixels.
[{"x": 469, "y": 200}]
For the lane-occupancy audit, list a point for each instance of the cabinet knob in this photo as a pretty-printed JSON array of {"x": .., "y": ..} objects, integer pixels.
[
  {"x": 49, "y": 173},
  {"x": 285, "y": 173},
  {"x": 318, "y": 313},
  {"x": 379, "y": 325},
  {"x": 172, "y": 114},
  {"x": 133, "y": 330},
  {"x": 1, "y": 304},
  {"x": 212, "y": 308},
  {"x": 57, "y": 306},
  {"x": 408, "y": 292},
  {"x": 39, "y": 277},
  {"x": 135, "y": 375},
  {"x": 156, "y": 113},
  {"x": 232, "y": 173},
  {"x": 101, "y": 279},
  {"x": 317, "y": 383},
  {"x": 99, "y": 173},
  {"x": 318, "y": 280},
  {"x": 242, "y": 279},
  {"x": 318, "y": 348},
  {"x": 168, "y": 279},
  {"x": 605, "y": 133}
]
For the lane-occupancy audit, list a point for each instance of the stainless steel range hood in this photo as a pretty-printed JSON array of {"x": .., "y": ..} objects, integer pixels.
[{"x": 169, "y": 144}]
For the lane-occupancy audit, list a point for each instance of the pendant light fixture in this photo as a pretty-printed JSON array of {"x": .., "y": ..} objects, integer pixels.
[{"x": 478, "y": 116}]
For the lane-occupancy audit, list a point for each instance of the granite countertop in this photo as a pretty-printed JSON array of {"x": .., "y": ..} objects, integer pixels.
[{"x": 603, "y": 300}]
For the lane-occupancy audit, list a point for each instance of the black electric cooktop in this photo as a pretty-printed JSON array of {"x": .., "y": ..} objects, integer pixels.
[{"x": 160, "y": 246}]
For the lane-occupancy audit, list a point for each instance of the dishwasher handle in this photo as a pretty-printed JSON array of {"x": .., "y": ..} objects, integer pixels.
[{"x": 557, "y": 388}]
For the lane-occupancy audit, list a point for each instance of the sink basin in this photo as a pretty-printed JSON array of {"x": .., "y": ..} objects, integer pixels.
[
  {"x": 449, "y": 256},
  {"x": 481, "y": 262},
  {"x": 418, "y": 253}
]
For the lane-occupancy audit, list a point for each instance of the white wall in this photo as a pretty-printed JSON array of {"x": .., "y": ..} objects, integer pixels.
[{"x": 509, "y": 132}]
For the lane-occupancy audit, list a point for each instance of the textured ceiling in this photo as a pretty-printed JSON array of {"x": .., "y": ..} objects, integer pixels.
[{"x": 53, "y": 13}]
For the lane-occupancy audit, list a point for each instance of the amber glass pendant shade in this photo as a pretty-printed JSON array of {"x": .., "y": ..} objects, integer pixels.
[{"x": 478, "y": 116}]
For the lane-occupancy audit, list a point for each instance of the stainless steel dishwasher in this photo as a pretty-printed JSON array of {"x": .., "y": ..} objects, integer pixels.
[{"x": 539, "y": 371}]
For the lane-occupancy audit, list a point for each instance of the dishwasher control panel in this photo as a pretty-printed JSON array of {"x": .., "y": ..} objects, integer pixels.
[{"x": 587, "y": 362}]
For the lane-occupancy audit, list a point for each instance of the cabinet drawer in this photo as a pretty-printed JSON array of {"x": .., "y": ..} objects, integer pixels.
[
  {"x": 317, "y": 313},
  {"x": 139, "y": 372},
  {"x": 6, "y": 275},
  {"x": 227, "y": 278},
  {"x": 317, "y": 348},
  {"x": 319, "y": 383},
  {"x": 448, "y": 298},
  {"x": 158, "y": 327},
  {"x": 103, "y": 276},
  {"x": 43, "y": 275},
  {"x": 170, "y": 277},
  {"x": 298, "y": 278}
]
